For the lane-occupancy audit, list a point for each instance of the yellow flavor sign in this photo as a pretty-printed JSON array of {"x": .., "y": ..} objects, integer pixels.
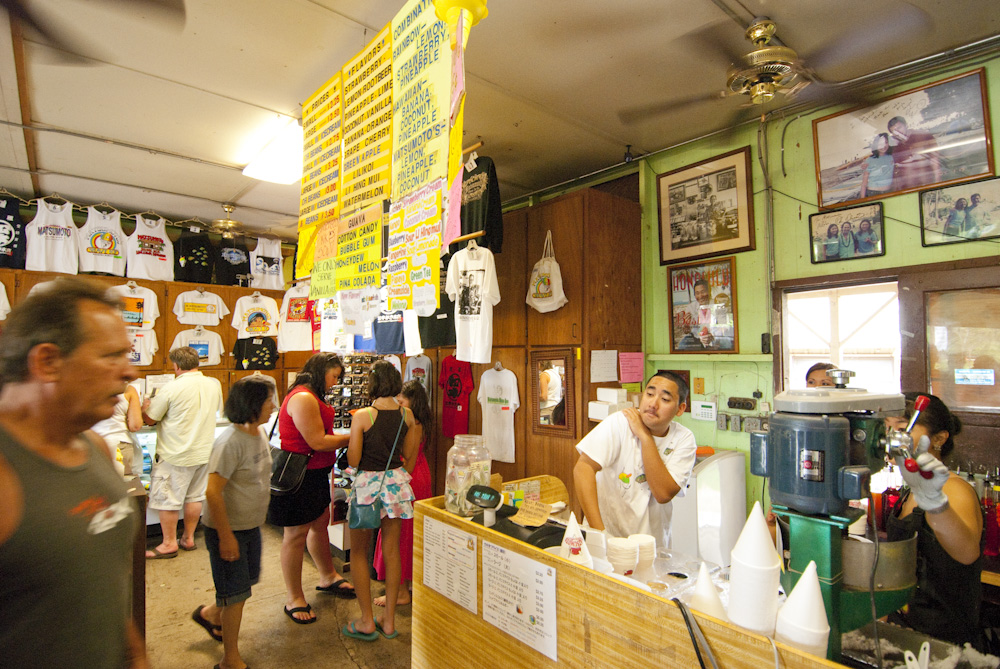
[
  {"x": 319, "y": 198},
  {"x": 359, "y": 250},
  {"x": 414, "y": 250},
  {"x": 323, "y": 281}
]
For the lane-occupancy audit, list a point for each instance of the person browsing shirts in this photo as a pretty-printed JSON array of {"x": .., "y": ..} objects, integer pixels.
[{"x": 636, "y": 461}]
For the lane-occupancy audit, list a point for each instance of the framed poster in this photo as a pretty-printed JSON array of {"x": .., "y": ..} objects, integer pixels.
[
  {"x": 929, "y": 136},
  {"x": 703, "y": 307},
  {"x": 962, "y": 213},
  {"x": 706, "y": 209},
  {"x": 847, "y": 234}
]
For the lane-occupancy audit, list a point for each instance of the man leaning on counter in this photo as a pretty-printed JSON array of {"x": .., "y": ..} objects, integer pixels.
[{"x": 636, "y": 461}]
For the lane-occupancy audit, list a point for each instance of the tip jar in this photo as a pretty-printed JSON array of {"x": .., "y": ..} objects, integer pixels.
[{"x": 469, "y": 464}]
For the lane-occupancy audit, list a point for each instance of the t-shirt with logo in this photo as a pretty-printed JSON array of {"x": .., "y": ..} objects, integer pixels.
[
  {"x": 388, "y": 330},
  {"x": 232, "y": 267},
  {"x": 12, "y": 241},
  {"x": 101, "y": 242},
  {"x": 149, "y": 250},
  {"x": 295, "y": 330},
  {"x": 265, "y": 265},
  {"x": 194, "y": 257},
  {"x": 208, "y": 344},
  {"x": 255, "y": 316},
  {"x": 481, "y": 205},
  {"x": 139, "y": 307},
  {"x": 499, "y": 400},
  {"x": 456, "y": 383},
  {"x": 143, "y": 346},
  {"x": 255, "y": 353},
  {"x": 4, "y": 302},
  {"x": 472, "y": 283},
  {"x": 418, "y": 368},
  {"x": 438, "y": 329},
  {"x": 199, "y": 307},
  {"x": 51, "y": 239}
]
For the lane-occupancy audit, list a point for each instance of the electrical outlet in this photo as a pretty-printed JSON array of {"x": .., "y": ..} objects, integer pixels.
[
  {"x": 698, "y": 385},
  {"x": 722, "y": 421},
  {"x": 747, "y": 403},
  {"x": 734, "y": 423},
  {"x": 751, "y": 424}
]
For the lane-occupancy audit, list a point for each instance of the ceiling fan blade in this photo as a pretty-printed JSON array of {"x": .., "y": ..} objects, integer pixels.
[
  {"x": 633, "y": 115},
  {"x": 71, "y": 50}
]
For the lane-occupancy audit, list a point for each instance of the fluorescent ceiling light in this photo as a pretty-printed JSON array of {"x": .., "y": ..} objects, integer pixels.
[{"x": 281, "y": 160}]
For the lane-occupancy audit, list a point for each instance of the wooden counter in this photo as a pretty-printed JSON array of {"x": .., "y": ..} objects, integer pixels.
[{"x": 601, "y": 621}]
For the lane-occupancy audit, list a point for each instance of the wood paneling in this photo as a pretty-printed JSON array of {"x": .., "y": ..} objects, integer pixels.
[
  {"x": 565, "y": 217},
  {"x": 510, "y": 315}
]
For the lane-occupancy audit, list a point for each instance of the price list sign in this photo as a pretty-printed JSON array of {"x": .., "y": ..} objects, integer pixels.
[
  {"x": 450, "y": 563},
  {"x": 519, "y": 598}
]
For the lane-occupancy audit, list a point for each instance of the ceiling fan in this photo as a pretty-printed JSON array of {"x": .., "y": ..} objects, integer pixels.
[{"x": 227, "y": 227}]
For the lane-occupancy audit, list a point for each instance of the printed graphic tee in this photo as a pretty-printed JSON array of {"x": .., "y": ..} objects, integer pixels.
[
  {"x": 207, "y": 343},
  {"x": 12, "y": 240},
  {"x": 472, "y": 284},
  {"x": 265, "y": 265},
  {"x": 388, "y": 329},
  {"x": 101, "y": 243},
  {"x": 255, "y": 353},
  {"x": 295, "y": 329},
  {"x": 456, "y": 382},
  {"x": 198, "y": 307},
  {"x": 418, "y": 368},
  {"x": 438, "y": 329},
  {"x": 139, "y": 307},
  {"x": 51, "y": 239},
  {"x": 143, "y": 346},
  {"x": 150, "y": 252},
  {"x": 194, "y": 257},
  {"x": 481, "y": 206},
  {"x": 499, "y": 399},
  {"x": 233, "y": 263},
  {"x": 255, "y": 316},
  {"x": 4, "y": 302}
]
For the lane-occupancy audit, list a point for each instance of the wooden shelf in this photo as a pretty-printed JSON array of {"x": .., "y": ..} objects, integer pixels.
[{"x": 711, "y": 357}]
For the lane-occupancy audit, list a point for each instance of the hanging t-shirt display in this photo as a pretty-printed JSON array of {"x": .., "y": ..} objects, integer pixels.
[
  {"x": 207, "y": 343},
  {"x": 255, "y": 316},
  {"x": 4, "y": 302},
  {"x": 139, "y": 307},
  {"x": 456, "y": 380},
  {"x": 481, "y": 206},
  {"x": 101, "y": 242},
  {"x": 394, "y": 361},
  {"x": 265, "y": 264},
  {"x": 51, "y": 239},
  {"x": 255, "y": 353},
  {"x": 388, "y": 330},
  {"x": 499, "y": 400},
  {"x": 143, "y": 346},
  {"x": 438, "y": 329},
  {"x": 418, "y": 368},
  {"x": 199, "y": 307},
  {"x": 472, "y": 283},
  {"x": 295, "y": 329},
  {"x": 232, "y": 267},
  {"x": 12, "y": 242},
  {"x": 150, "y": 252},
  {"x": 194, "y": 257}
]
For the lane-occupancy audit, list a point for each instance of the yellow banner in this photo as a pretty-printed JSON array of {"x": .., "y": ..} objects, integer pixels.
[
  {"x": 305, "y": 250},
  {"x": 319, "y": 199},
  {"x": 359, "y": 249},
  {"x": 414, "y": 250},
  {"x": 421, "y": 80},
  {"x": 323, "y": 281}
]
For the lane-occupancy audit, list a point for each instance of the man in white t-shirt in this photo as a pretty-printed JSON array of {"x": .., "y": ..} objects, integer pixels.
[
  {"x": 635, "y": 462},
  {"x": 184, "y": 412}
]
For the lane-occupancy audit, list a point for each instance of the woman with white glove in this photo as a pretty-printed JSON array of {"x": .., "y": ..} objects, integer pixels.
[{"x": 945, "y": 513}]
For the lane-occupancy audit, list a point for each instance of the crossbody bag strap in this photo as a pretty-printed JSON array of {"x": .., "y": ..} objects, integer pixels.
[{"x": 402, "y": 419}]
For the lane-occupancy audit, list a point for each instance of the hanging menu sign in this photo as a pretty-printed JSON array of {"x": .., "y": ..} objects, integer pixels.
[
  {"x": 367, "y": 125},
  {"x": 414, "y": 243},
  {"x": 359, "y": 250},
  {"x": 324, "y": 281}
]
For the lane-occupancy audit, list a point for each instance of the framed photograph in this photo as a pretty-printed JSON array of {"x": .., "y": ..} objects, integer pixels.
[
  {"x": 703, "y": 307},
  {"x": 960, "y": 213},
  {"x": 847, "y": 234},
  {"x": 706, "y": 209},
  {"x": 934, "y": 135}
]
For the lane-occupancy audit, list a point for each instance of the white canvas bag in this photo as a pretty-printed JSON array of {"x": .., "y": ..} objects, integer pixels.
[{"x": 545, "y": 289}]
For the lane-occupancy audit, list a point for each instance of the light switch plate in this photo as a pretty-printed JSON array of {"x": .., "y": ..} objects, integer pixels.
[{"x": 703, "y": 410}]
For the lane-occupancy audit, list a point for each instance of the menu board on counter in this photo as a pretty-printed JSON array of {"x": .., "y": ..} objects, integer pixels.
[
  {"x": 519, "y": 598},
  {"x": 450, "y": 563}
]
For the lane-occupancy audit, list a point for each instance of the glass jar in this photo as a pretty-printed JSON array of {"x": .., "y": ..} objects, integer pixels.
[{"x": 469, "y": 464}]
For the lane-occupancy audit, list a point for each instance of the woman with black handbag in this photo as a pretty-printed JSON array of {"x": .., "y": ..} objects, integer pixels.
[
  {"x": 383, "y": 449},
  {"x": 304, "y": 423}
]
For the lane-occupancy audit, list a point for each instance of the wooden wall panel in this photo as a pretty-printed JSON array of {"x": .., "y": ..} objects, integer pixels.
[
  {"x": 565, "y": 217},
  {"x": 510, "y": 315}
]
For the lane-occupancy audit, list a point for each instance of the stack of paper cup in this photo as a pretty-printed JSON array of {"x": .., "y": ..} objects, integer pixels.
[
  {"x": 623, "y": 554},
  {"x": 596, "y": 543},
  {"x": 705, "y": 597},
  {"x": 802, "y": 620},
  {"x": 753, "y": 577},
  {"x": 647, "y": 553}
]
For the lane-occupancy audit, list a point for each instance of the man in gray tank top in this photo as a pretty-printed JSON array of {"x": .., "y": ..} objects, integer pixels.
[{"x": 67, "y": 525}]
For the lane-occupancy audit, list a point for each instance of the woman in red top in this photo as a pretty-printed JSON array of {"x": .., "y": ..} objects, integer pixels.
[{"x": 304, "y": 423}]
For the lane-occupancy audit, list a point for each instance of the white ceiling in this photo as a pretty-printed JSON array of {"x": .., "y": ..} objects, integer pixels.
[{"x": 181, "y": 103}]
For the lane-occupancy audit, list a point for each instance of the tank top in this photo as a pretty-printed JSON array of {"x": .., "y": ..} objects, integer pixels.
[
  {"x": 12, "y": 240},
  {"x": 150, "y": 253},
  {"x": 378, "y": 441},
  {"x": 51, "y": 239},
  {"x": 946, "y": 602},
  {"x": 101, "y": 243},
  {"x": 265, "y": 265},
  {"x": 292, "y": 440},
  {"x": 67, "y": 567}
]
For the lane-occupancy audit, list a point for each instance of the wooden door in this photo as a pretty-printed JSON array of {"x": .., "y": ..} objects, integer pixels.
[{"x": 510, "y": 315}]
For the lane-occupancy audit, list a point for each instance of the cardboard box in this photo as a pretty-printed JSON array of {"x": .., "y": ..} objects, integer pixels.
[
  {"x": 612, "y": 395},
  {"x": 600, "y": 410}
]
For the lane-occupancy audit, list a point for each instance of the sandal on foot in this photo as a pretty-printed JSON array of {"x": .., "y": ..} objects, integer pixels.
[
  {"x": 192, "y": 547},
  {"x": 157, "y": 555},
  {"x": 352, "y": 631},
  {"x": 378, "y": 628},
  {"x": 336, "y": 590},
  {"x": 300, "y": 609},
  {"x": 214, "y": 631}
]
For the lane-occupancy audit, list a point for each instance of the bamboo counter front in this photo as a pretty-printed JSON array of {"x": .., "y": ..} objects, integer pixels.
[{"x": 600, "y": 621}]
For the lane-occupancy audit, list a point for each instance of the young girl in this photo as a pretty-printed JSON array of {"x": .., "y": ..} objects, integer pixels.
[
  {"x": 414, "y": 398},
  {"x": 374, "y": 432}
]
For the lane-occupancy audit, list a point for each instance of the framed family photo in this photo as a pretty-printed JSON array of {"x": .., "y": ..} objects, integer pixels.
[
  {"x": 847, "y": 234},
  {"x": 706, "y": 209},
  {"x": 934, "y": 135},
  {"x": 962, "y": 213},
  {"x": 703, "y": 307}
]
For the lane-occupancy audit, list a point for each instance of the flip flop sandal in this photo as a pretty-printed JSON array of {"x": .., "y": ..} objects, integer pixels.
[
  {"x": 378, "y": 628},
  {"x": 300, "y": 609},
  {"x": 337, "y": 591},
  {"x": 192, "y": 547},
  {"x": 352, "y": 631},
  {"x": 214, "y": 631},
  {"x": 157, "y": 555}
]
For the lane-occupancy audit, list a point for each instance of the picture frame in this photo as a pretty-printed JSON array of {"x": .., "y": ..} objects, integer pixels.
[
  {"x": 703, "y": 313},
  {"x": 943, "y": 221},
  {"x": 829, "y": 243},
  {"x": 934, "y": 135},
  {"x": 706, "y": 209}
]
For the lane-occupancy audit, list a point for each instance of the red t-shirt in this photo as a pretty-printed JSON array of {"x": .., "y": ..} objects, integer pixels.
[
  {"x": 292, "y": 440},
  {"x": 456, "y": 380}
]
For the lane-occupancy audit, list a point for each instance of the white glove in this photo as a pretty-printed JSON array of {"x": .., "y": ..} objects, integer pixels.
[{"x": 928, "y": 493}]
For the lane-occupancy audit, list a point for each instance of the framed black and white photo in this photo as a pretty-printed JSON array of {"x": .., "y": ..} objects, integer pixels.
[
  {"x": 847, "y": 234},
  {"x": 961, "y": 213}
]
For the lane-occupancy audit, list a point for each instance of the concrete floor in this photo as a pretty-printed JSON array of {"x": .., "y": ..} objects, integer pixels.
[{"x": 175, "y": 588}]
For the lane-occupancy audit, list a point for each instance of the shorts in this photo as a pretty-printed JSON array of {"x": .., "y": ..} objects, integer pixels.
[
  {"x": 396, "y": 495},
  {"x": 173, "y": 486},
  {"x": 233, "y": 579},
  {"x": 307, "y": 504}
]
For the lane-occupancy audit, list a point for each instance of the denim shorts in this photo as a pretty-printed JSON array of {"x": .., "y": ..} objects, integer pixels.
[{"x": 233, "y": 579}]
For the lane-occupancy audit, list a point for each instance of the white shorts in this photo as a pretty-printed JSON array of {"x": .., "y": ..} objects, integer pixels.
[{"x": 173, "y": 486}]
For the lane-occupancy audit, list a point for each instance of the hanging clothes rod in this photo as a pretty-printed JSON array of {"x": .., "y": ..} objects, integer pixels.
[{"x": 477, "y": 145}]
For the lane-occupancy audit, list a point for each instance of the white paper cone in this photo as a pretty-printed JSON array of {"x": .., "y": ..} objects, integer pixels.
[
  {"x": 706, "y": 597},
  {"x": 574, "y": 548},
  {"x": 754, "y": 577},
  {"x": 802, "y": 620}
]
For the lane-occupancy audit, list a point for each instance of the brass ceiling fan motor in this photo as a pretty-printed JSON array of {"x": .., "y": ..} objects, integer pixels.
[
  {"x": 227, "y": 227},
  {"x": 767, "y": 69}
]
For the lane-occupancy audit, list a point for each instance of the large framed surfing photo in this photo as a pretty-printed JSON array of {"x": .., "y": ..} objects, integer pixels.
[
  {"x": 706, "y": 209},
  {"x": 703, "y": 307},
  {"x": 846, "y": 234},
  {"x": 962, "y": 213}
]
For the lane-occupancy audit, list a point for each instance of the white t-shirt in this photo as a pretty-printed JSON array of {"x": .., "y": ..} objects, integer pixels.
[
  {"x": 255, "y": 316},
  {"x": 186, "y": 409},
  {"x": 207, "y": 343},
  {"x": 623, "y": 496},
  {"x": 101, "y": 243},
  {"x": 499, "y": 400},
  {"x": 295, "y": 330},
  {"x": 139, "y": 307},
  {"x": 51, "y": 239},
  {"x": 195, "y": 307},
  {"x": 420, "y": 369},
  {"x": 394, "y": 361},
  {"x": 4, "y": 302},
  {"x": 150, "y": 251},
  {"x": 144, "y": 345},
  {"x": 472, "y": 284},
  {"x": 265, "y": 265}
]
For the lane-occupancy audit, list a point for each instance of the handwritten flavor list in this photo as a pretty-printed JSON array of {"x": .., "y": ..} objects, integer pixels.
[
  {"x": 519, "y": 597},
  {"x": 450, "y": 563}
]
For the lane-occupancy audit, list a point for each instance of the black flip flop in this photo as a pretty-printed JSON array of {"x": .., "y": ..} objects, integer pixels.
[
  {"x": 214, "y": 631},
  {"x": 300, "y": 609},
  {"x": 337, "y": 591}
]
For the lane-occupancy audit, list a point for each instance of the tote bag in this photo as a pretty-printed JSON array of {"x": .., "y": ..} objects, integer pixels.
[{"x": 545, "y": 288}]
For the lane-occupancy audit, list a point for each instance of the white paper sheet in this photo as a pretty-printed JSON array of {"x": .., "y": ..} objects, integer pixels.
[
  {"x": 450, "y": 564},
  {"x": 603, "y": 366}
]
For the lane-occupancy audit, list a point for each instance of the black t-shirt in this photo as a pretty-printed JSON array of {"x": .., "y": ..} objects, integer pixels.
[
  {"x": 194, "y": 256},
  {"x": 233, "y": 261},
  {"x": 438, "y": 329},
  {"x": 481, "y": 206},
  {"x": 12, "y": 242},
  {"x": 256, "y": 353}
]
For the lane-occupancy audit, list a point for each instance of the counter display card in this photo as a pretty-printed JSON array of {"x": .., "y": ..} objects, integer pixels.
[
  {"x": 450, "y": 563},
  {"x": 519, "y": 598}
]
